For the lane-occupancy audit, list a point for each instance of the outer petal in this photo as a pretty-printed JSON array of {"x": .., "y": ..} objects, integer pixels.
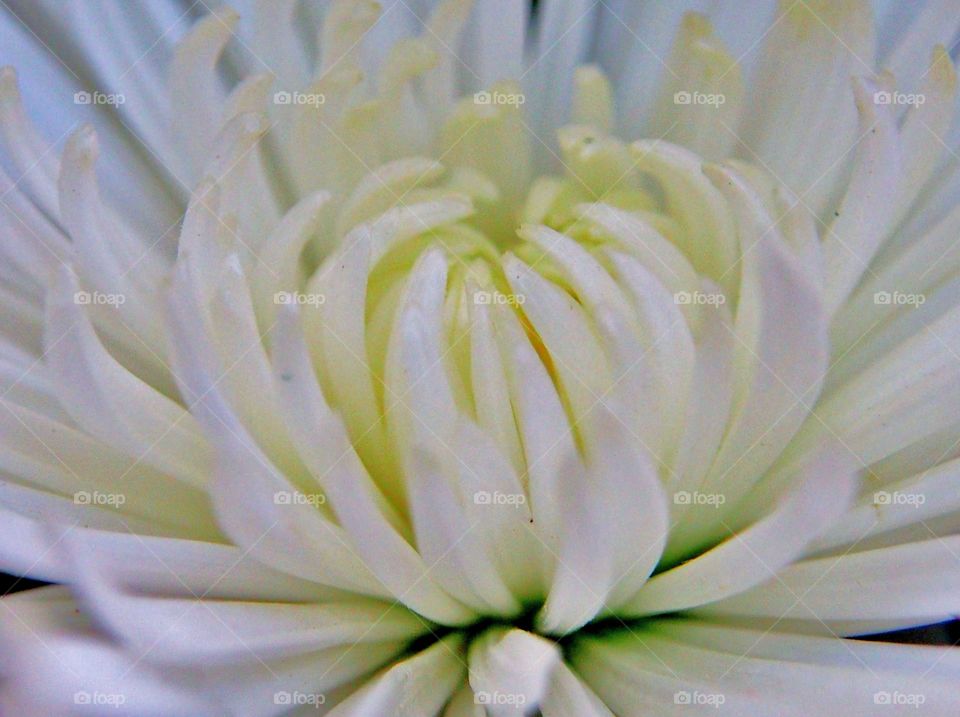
[
  {"x": 759, "y": 552},
  {"x": 904, "y": 586},
  {"x": 660, "y": 671}
]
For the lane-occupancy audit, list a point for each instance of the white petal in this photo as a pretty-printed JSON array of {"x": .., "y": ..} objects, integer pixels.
[
  {"x": 653, "y": 671},
  {"x": 933, "y": 23},
  {"x": 112, "y": 403},
  {"x": 418, "y": 686},
  {"x": 282, "y": 527},
  {"x": 808, "y": 123},
  {"x": 637, "y": 237},
  {"x": 909, "y": 394},
  {"x": 755, "y": 555},
  {"x": 196, "y": 90},
  {"x": 419, "y": 398},
  {"x": 659, "y": 366},
  {"x": 708, "y": 408},
  {"x": 869, "y": 207},
  {"x": 56, "y": 458},
  {"x": 458, "y": 557},
  {"x": 37, "y": 167},
  {"x": 922, "y": 660},
  {"x": 362, "y": 510},
  {"x": 925, "y": 129},
  {"x": 614, "y": 532},
  {"x": 34, "y": 245},
  {"x": 781, "y": 353},
  {"x": 699, "y": 65},
  {"x": 568, "y": 696},
  {"x": 861, "y": 331},
  {"x": 108, "y": 256},
  {"x": 906, "y": 585},
  {"x": 709, "y": 238},
  {"x": 277, "y": 268},
  {"x": 491, "y": 392},
  {"x": 494, "y": 41},
  {"x": 248, "y": 495},
  {"x": 563, "y": 39},
  {"x": 917, "y": 499},
  {"x": 498, "y": 508},
  {"x": 207, "y": 632},
  {"x": 510, "y": 670},
  {"x": 144, "y": 562},
  {"x": 564, "y": 327},
  {"x": 544, "y": 428}
]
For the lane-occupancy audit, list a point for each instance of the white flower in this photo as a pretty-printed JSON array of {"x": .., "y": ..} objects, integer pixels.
[{"x": 609, "y": 365}]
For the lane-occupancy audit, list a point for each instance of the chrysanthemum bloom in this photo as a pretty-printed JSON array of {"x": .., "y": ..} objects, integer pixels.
[{"x": 607, "y": 363}]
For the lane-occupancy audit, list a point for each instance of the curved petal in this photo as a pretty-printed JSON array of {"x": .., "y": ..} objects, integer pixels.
[
  {"x": 759, "y": 552},
  {"x": 418, "y": 686},
  {"x": 904, "y": 585},
  {"x": 510, "y": 670}
]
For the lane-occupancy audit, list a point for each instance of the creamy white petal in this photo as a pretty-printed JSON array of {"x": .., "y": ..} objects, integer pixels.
[
  {"x": 890, "y": 506},
  {"x": 420, "y": 685},
  {"x": 780, "y": 354},
  {"x": 109, "y": 401},
  {"x": 759, "y": 552},
  {"x": 916, "y": 382},
  {"x": 196, "y": 91},
  {"x": 207, "y": 633},
  {"x": 363, "y": 512},
  {"x": 458, "y": 557},
  {"x": 568, "y": 696},
  {"x": 614, "y": 529},
  {"x": 563, "y": 41},
  {"x": 651, "y": 670},
  {"x": 495, "y": 40},
  {"x": 510, "y": 670},
  {"x": 701, "y": 98},
  {"x": 868, "y": 210},
  {"x": 54, "y": 457},
  {"x": 803, "y": 85},
  {"x": 933, "y": 24},
  {"x": 891, "y": 584},
  {"x": 709, "y": 238},
  {"x": 168, "y": 565}
]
